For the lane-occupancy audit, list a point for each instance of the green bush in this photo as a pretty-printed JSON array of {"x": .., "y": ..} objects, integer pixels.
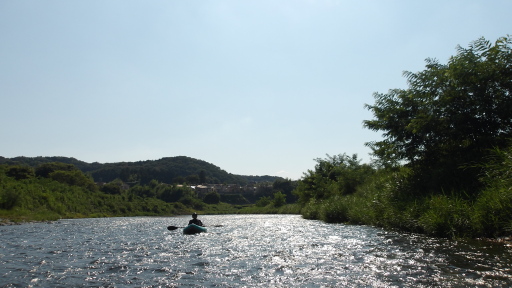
[
  {"x": 113, "y": 187},
  {"x": 335, "y": 210},
  {"x": 263, "y": 201},
  {"x": 447, "y": 217},
  {"x": 212, "y": 198},
  {"x": 492, "y": 215},
  {"x": 192, "y": 202},
  {"x": 279, "y": 199},
  {"x": 8, "y": 198},
  {"x": 312, "y": 210},
  {"x": 74, "y": 178},
  {"x": 493, "y": 212},
  {"x": 235, "y": 199}
]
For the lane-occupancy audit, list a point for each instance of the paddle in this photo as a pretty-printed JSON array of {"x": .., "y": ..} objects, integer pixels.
[{"x": 171, "y": 228}]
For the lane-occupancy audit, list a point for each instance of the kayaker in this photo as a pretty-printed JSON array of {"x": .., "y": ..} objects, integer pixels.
[{"x": 195, "y": 220}]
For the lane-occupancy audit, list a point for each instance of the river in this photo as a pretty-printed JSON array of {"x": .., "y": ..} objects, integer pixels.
[{"x": 246, "y": 251}]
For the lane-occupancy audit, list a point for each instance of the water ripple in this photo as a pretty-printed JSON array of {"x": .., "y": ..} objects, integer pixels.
[{"x": 247, "y": 251}]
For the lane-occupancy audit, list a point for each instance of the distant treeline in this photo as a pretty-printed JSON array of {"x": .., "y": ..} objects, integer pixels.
[
  {"x": 54, "y": 190},
  {"x": 170, "y": 170}
]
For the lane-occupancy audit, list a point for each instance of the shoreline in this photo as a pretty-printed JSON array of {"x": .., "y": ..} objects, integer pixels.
[{"x": 9, "y": 222}]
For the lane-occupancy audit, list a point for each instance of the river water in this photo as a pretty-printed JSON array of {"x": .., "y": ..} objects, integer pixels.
[{"x": 247, "y": 251}]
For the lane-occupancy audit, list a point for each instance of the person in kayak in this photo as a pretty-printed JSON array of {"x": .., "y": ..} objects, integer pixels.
[{"x": 195, "y": 220}]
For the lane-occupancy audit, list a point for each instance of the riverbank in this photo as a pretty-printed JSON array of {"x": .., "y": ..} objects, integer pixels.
[{"x": 9, "y": 222}]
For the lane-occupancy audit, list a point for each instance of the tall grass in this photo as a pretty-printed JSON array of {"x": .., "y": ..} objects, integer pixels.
[
  {"x": 387, "y": 200},
  {"x": 493, "y": 209},
  {"x": 447, "y": 217}
]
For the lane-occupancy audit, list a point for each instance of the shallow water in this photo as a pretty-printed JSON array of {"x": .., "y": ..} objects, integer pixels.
[{"x": 247, "y": 251}]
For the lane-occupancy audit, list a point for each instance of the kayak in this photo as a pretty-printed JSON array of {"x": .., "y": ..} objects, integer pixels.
[{"x": 193, "y": 229}]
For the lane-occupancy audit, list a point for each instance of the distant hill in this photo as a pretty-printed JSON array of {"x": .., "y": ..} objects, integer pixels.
[{"x": 167, "y": 170}]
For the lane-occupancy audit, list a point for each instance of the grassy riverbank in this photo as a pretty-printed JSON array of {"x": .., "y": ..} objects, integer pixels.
[
  {"x": 66, "y": 192},
  {"x": 391, "y": 198}
]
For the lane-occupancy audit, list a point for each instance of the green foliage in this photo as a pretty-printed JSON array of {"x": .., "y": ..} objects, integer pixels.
[
  {"x": 68, "y": 194},
  {"x": 8, "y": 198},
  {"x": 192, "y": 179},
  {"x": 335, "y": 210},
  {"x": 171, "y": 193},
  {"x": 286, "y": 186},
  {"x": 222, "y": 208},
  {"x": 493, "y": 207},
  {"x": 443, "y": 128},
  {"x": 335, "y": 175},
  {"x": 263, "y": 201},
  {"x": 262, "y": 190},
  {"x": 20, "y": 172},
  {"x": 144, "y": 191},
  {"x": 115, "y": 187},
  {"x": 492, "y": 215},
  {"x": 447, "y": 217},
  {"x": 170, "y": 170},
  {"x": 279, "y": 199},
  {"x": 212, "y": 198},
  {"x": 74, "y": 178},
  {"x": 178, "y": 180},
  {"x": 38, "y": 161},
  {"x": 44, "y": 170},
  {"x": 385, "y": 199},
  {"x": 312, "y": 210},
  {"x": 449, "y": 117},
  {"x": 235, "y": 199},
  {"x": 193, "y": 202},
  {"x": 271, "y": 209},
  {"x": 63, "y": 191},
  {"x": 202, "y": 177}
]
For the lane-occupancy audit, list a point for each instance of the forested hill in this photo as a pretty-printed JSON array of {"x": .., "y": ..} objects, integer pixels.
[{"x": 177, "y": 169}]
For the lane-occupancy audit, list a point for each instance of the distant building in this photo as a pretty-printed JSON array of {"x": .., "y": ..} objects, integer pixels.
[{"x": 202, "y": 190}]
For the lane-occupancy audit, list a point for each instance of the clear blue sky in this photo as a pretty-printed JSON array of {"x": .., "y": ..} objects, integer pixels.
[{"x": 254, "y": 87}]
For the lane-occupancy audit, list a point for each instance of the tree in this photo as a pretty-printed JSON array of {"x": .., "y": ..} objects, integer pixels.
[
  {"x": 143, "y": 191},
  {"x": 212, "y": 198},
  {"x": 286, "y": 186},
  {"x": 263, "y": 201},
  {"x": 171, "y": 194},
  {"x": 202, "y": 177},
  {"x": 263, "y": 189},
  {"x": 114, "y": 187},
  {"x": 20, "y": 172},
  {"x": 336, "y": 175},
  {"x": 192, "y": 179},
  {"x": 178, "y": 180},
  {"x": 279, "y": 199},
  {"x": 450, "y": 116},
  {"x": 74, "y": 178},
  {"x": 44, "y": 170}
]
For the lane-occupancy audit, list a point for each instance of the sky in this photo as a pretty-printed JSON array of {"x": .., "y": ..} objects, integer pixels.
[{"x": 260, "y": 87}]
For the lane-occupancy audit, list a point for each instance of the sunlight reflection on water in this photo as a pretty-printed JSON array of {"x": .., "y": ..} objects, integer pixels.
[{"x": 248, "y": 250}]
